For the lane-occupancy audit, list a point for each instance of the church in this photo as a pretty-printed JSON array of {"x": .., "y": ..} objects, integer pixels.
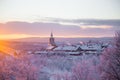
[
  {"x": 58, "y": 48},
  {"x": 52, "y": 44},
  {"x": 52, "y": 41},
  {"x": 86, "y": 48}
]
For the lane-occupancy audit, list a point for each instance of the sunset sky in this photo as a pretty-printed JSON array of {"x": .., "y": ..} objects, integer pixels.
[{"x": 65, "y": 18}]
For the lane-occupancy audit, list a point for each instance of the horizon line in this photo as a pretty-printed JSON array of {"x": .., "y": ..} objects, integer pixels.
[{"x": 58, "y": 37}]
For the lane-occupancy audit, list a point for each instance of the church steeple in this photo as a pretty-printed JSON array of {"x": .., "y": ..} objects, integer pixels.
[
  {"x": 51, "y": 40},
  {"x": 51, "y": 34}
]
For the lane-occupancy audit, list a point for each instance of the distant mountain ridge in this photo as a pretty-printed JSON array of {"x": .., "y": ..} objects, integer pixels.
[{"x": 58, "y": 39}]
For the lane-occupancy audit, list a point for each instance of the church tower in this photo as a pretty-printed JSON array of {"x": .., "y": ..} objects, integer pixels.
[{"x": 51, "y": 40}]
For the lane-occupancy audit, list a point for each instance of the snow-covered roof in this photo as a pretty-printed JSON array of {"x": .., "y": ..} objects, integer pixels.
[
  {"x": 92, "y": 47},
  {"x": 38, "y": 52},
  {"x": 50, "y": 47},
  {"x": 66, "y": 48}
]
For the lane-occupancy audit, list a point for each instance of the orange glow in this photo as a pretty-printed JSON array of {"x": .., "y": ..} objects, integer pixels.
[
  {"x": 14, "y": 36},
  {"x": 18, "y": 36},
  {"x": 6, "y": 50}
]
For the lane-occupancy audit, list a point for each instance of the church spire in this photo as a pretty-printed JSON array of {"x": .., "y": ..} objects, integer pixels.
[
  {"x": 51, "y": 34},
  {"x": 51, "y": 40}
]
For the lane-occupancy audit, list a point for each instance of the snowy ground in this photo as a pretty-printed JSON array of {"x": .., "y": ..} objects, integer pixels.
[
  {"x": 50, "y": 67},
  {"x": 59, "y": 66}
]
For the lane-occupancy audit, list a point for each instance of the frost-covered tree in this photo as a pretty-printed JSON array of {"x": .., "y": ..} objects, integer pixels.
[
  {"x": 86, "y": 69},
  {"x": 81, "y": 71},
  {"x": 110, "y": 61},
  {"x": 22, "y": 67}
]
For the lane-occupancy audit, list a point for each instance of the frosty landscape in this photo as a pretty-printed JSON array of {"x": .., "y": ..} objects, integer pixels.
[
  {"x": 92, "y": 60},
  {"x": 59, "y": 39}
]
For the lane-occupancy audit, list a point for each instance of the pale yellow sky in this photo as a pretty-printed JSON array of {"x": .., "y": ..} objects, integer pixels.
[{"x": 30, "y": 11}]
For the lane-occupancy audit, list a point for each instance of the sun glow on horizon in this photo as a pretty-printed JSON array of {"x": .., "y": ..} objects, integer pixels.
[
  {"x": 20, "y": 36},
  {"x": 13, "y": 36},
  {"x": 6, "y": 50}
]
